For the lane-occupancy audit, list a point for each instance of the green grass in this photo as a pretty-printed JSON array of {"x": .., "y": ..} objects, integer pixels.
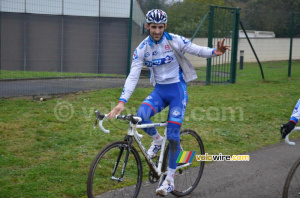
[
  {"x": 4, "y": 74},
  {"x": 43, "y": 156},
  {"x": 252, "y": 72}
]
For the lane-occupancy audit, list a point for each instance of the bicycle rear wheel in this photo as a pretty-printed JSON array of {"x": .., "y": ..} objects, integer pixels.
[
  {"x": 186, "y": 179},
  {"x": 292, "y": 182},
  {"x": 104, "y": 178}
]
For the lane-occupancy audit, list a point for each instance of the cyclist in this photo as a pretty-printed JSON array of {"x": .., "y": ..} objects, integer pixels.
[
  {"x": 170, "y": 70},
  {"x": 289, "y": 126}
]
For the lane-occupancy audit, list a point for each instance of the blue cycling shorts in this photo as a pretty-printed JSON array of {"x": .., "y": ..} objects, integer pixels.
[{"x": 173, "y": 95}]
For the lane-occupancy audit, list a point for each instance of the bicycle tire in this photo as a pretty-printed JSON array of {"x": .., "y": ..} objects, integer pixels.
[
  {"x": 99, "y": 182},
  {"x": 292, "y": 183},
  {"x": 188, "y": 179}
]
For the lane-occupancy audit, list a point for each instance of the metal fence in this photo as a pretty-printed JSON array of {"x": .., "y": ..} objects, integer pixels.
[
  {"x": 223, "y": 24},
  {"x": 64, "y": 38}
]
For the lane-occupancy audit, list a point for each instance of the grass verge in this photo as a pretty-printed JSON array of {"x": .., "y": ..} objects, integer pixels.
[
  {"x": 46, "y": 148},
  {"x": 4, "y": 74}
]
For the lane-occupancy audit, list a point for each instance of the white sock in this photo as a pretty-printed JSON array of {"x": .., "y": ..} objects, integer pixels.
[
  {"x": 157, "y": 137},
  {"x": 171, "y": 174}
]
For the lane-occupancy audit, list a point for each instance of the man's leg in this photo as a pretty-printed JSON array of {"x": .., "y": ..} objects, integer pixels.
[
  {"x": 151, "y": 105},
  {"x": 173, "y": 133},
  {"x": 178, "y": 100}
]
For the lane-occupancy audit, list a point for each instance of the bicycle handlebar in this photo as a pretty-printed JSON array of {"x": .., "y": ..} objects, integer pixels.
[
  {"x": 287, "y": 137},
  {"x": 130, "y": 118}
]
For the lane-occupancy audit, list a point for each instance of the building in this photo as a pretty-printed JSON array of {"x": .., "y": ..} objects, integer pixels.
[{"x": 67, "y": 35}]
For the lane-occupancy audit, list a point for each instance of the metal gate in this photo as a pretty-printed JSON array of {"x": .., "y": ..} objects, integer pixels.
[{"x": 224, "y": 23}]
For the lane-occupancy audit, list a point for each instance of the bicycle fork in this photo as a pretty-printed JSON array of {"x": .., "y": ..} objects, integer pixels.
[{"x": 120, "y": 179}]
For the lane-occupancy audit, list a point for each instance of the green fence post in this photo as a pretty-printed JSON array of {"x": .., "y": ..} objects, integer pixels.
[
  {"x": 0, "y": 44},
  {"x": 291, "y": 43},
  {"x": 196, "y": 32},
  {"x": 234, "y": 47},
  {"x": 252, "y": 48},
  {"x": 210, "y": 38},
  {"x": 129, "y": 39}
]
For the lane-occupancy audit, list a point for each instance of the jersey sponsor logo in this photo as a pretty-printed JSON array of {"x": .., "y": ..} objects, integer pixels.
[
  {"x": 162, "y": 61},
  {"x": 168, "y": 51},
  {"x": 148, "y": 63},
  {"x": 184, "y": 102},
  {"x": 135, "y": 56},
  {"x": 154, "y": 53},
  {"x": 168, "y": 59},
  {"x": 185, "y": 40},
  {"x": 157, "y": 61},
  {"x": 296, "y": 107},
  {"x": 123, "y": 91},
  {"x": 175, "y": 112},
  {"x": 167, "y": 47},
  {"x": 142, "y": 45},
  {"x": 147, "y": 54},
  {"x": 149, "y": 98}
]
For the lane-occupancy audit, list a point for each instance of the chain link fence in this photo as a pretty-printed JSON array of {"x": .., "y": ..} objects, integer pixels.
[{"x": 64, "y": 36}]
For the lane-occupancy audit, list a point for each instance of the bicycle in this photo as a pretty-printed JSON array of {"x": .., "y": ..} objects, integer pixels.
[
  {"x": 292, "y": 183},
  {"x": 117, "y": 168}
]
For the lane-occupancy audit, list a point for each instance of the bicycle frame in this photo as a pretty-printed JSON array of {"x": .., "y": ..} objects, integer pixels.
[
  {"x": 142, "y": 148},
  {"x": 132, "y": 132}
]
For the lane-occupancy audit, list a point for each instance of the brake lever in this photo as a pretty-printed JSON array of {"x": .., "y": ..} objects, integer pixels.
[{"x": 96, "y": 122}]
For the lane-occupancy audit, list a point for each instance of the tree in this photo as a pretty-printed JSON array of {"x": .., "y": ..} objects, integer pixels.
[
  {"x": 185, "y": 17},
  {"x": 271, "y": 15},
  {"x": 147, "y": 5}
]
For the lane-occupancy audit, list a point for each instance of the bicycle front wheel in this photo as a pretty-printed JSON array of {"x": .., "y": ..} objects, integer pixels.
[
  {"x": 292, "y": 182},
  {"x": 111, "y": 176},
  {"x": 186, "y": 179}
]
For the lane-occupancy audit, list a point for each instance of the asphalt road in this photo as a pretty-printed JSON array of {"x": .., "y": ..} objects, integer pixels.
[
  {"x": 261, "y": 177},
  {"x": 56, "y": 86},
  {"x": 37, "y": 87}
]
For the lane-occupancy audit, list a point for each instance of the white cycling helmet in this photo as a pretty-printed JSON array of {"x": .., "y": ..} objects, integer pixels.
[{"x": 156, "y": 16}]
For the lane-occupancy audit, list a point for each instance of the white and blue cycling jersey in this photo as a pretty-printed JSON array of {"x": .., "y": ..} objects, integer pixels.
[
  {"x": 296, "y": 113},
  {"x": 159, "y": 57}
]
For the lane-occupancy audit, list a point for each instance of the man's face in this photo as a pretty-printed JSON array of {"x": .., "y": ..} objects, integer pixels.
[{"x": 156, "y": 30}]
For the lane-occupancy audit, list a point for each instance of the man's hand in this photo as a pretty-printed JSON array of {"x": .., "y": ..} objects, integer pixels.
[
  {"x": 117, "y": 110},
  {"x": 287, "y": 128},
  {"x": 221, "y": 49}
]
